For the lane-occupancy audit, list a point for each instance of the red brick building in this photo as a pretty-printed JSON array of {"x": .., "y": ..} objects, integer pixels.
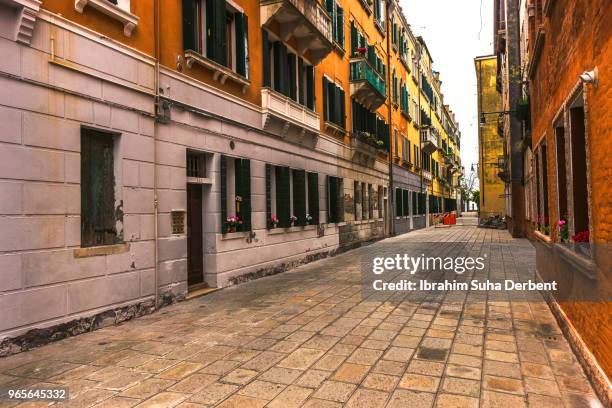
[{"x": 567, "y": 50}]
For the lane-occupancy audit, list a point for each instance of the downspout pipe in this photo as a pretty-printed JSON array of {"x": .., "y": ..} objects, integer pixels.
[
  {"x": 156, "y": 14},
  {"x": 391, "y": 191}
]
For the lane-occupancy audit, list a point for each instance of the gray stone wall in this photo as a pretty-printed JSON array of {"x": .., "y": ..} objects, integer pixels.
[{"x": 46, "y": 278}]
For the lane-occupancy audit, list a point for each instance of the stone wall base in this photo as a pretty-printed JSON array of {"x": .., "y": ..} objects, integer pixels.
[
  {"x": 39, "y": 337},
  {"x": 595, "y": 374}
]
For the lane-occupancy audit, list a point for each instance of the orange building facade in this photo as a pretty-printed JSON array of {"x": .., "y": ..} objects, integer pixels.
[
  {"x": 162, "y": 147},
  {"x": 568, "y": 49}
]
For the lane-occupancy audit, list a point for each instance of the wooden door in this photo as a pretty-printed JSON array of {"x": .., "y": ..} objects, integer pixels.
[{"x": 195, "y": 252}]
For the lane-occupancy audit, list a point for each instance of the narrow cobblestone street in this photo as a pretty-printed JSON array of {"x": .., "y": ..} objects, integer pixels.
[{"x": 309, "y": 338}]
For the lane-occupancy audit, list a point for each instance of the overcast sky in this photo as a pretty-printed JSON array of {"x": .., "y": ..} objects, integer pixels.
[{"x": 453, "y": 34}]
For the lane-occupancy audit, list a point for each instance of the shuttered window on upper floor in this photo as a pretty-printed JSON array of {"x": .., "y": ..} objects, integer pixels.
[
  {"x": 405, "y": 99},
  {"x": 334, "y": 103},
  {"x": 337, "y": 15},
  {"x": 218, "y": 31},
  {"x": 367, "y": 121},
  {"x": 286, "y": 72}
]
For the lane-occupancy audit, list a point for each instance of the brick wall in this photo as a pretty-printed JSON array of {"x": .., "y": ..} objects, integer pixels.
[{"x": 577, "y": 39}]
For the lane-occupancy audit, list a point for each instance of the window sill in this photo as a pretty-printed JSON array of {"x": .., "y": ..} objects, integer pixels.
[
  {"x": 129, "y": 20},
  {"x": 541, "y": 237},
  {"x": 582, "y": 263},
  {"x": 368, "y": 221},
  {"x": 339, "y": 48},
  {"x": 379, "y": 26},
  {"x": 220, "y": 73},
  {"x": 281, "y": 230},
  {"x": 199, "y": 180},
  {"x": 228, "y": 236},
  {"x": 101, "y": 250},
  {"x": 366, "y": 6},
  {"x": 334, "y": 128},
  {"x": 407, "y": 116}
]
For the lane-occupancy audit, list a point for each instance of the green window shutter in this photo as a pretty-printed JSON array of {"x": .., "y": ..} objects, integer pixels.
[
  {"x": 282, "y": 196},
  {"x": 331, "y": 101},
  {"x": 299, "y": 196},
  {"x": 266, "y": 57},
  {"x": 313, "y": 197},
  {"x": 325, "y": 99},
  {"x": 268, "y": 196},
  {"x": 414, "y": 203},
  {"x": 284, "y": 68},
  {"x": 300, "y": 83},
  {"x": 292, "y": 79},
  {"x": 342, "y": 122},
  {"x": 278, "y": 73},
  {"x": 337, "y": 105},
  {"x": 190, "y": 26},
  {"x": 339, "y": 201},
  {"x": 243, "y": 189},
  {"x": 340, "y": 26},
  {"x": 310, "y": 85},
  {"x": 332, "y": 199},
  {"x": 242, "y": 44},
  {"x": 329, "y": 6},
  {"x": 223, "y": 182},
  {"x": 216, "y": 37},
  {"x": 405, "y": 202},
  {"x": 354, "y": 39},
  {"x": 398, "y": 202}
]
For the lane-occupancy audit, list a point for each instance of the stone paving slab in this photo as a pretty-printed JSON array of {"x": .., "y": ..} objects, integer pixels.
[{"x": 309, "y": 338}]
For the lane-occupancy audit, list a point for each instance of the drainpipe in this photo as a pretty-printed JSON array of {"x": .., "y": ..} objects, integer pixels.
[
  {"x": 391, "y": 200},
  {"x": 418, "y": 75},
  {"x": 156, "y": 35}
]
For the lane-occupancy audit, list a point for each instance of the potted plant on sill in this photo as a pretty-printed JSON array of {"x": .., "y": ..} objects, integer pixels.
[
  {"x": 308, "y": 219},
  {"x": 563, "y": 230},
  {"x": 582, "y": 243},
  {"x": 274, "y": 221},
  {"x": 292, "y": 220},
  {"x": 233, "y": 222}
]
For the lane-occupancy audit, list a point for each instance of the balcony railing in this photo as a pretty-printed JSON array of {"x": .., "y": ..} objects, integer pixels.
[
  {"x": 368, "y": 87},
  {"x": 280, "y": 108},
  {"x": 305, "y": 20},
  {"x": 429, "y": 140}
]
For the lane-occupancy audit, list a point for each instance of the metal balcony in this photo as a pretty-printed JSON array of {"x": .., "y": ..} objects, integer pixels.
[
  {"x": 304, "y": 21},
  {"x": 427, "y": 177},
  {"x": 429, "y": 140},
  {"x": 367, "y": 85}
]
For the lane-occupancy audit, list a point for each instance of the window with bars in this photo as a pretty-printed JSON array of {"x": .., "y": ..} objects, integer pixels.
[{"x": 196, "y": 165}]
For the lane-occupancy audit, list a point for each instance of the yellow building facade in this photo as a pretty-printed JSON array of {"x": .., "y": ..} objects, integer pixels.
[{"x": 490, "y": 144}]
